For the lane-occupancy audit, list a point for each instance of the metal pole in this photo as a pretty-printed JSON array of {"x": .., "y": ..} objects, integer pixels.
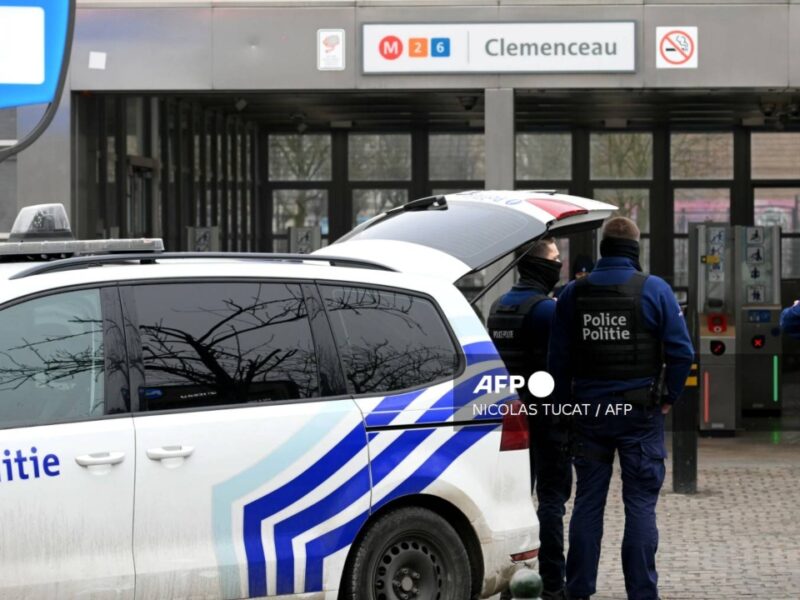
[{"x": 685, "y": 415}]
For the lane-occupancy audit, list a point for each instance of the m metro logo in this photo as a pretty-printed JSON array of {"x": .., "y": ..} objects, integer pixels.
[{"x": 391, "y": 47}]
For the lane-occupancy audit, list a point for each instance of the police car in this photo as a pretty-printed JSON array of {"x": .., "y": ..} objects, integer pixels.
[{"x": 177, "y": 425}]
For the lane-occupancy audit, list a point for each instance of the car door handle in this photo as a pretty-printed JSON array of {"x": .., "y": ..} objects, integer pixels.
[
  {"x": 166, "y": 452},
  {"x": 100, "y": 458}
]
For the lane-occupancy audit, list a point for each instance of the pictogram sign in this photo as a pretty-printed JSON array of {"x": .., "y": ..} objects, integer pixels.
[{"x": 676, "y": 47}]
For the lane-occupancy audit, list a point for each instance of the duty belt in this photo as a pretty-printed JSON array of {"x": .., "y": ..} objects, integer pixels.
[{"x": 643, "y": 398}]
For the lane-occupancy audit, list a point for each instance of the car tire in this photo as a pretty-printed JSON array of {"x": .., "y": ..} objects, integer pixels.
[{"x": 409, "y": 554}]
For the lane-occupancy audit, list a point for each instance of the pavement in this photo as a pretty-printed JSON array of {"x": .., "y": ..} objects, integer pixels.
[{"x": 739, "y": 535}]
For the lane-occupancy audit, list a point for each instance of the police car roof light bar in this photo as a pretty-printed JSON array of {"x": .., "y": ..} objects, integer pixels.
[{"x": 82, "y": 262}]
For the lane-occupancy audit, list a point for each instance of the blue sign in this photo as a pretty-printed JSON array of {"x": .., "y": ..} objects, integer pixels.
[{"x": 33, "y": 36}]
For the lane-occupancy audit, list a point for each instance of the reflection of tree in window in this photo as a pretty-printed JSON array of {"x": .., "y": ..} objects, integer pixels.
[
  {"x": 51, "y": 359},
  {"x": 545, "y": 156},
  {"x": 390, "y": 341},
  {"x": 208, "y": 344},
  {"x": 632, "y": 203},
  {"x": 299, "y": 208},
  {"x": 456, "y": 156},
  {"x": 621, "y": 156},
  {"x": 701, "y": 155},
  {"x": 299, "y": 157},
  {"x": 379, "y": 157}
]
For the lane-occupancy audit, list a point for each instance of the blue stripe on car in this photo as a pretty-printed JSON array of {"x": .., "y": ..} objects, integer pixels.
[{"x": 333, "y": 541}]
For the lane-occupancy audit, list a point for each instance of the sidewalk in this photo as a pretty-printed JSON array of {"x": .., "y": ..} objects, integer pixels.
[{"x": 738, "y": 537}]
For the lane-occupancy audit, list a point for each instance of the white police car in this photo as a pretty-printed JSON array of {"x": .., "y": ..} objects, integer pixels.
[{"x": 231, "y": 426}]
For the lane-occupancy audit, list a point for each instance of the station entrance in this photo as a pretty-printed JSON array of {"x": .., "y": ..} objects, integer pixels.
[{"x": 239, "y": 171}]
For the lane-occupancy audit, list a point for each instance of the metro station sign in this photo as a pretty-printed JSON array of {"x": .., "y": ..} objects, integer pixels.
[
  {"x": 581, "y": 47},
  {"x": 33, "y": 38}
]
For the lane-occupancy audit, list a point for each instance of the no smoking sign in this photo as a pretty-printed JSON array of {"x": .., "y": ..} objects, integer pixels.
[{"x": 676, "y": 47}]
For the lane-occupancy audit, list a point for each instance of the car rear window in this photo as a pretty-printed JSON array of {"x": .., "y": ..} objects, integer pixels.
[
  {"x": 476, "y": 234},
  {"x": 210, "y": 344},
  {"x": 389, "y": 340}
]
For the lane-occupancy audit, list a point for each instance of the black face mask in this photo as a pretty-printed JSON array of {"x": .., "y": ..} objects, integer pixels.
[
  {"x": 612, "y": 246},
  {"x": 539, "y": 272}
]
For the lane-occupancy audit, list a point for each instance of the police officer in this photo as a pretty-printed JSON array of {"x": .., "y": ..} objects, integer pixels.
[
  {"x": 519, "y": 324},
  {"x": 790, "y": 320},
  {"x": 616, "y": 334}
]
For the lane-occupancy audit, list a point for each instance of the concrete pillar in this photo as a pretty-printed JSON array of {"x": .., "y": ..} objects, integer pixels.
[
  {"x": 499, "y": 138},
  {"x": 44, "y": 168},
  {"x": 500, "y": 166}
]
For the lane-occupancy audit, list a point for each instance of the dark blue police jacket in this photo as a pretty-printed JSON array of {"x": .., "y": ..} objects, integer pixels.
[
  {"x": 538, "y": 320},
  {"x": 790, "y": 321},
  {"x": 662, "y": 315}
]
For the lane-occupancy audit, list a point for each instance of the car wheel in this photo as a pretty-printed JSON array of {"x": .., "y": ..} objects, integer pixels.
[{"x": 409, "y": 554}]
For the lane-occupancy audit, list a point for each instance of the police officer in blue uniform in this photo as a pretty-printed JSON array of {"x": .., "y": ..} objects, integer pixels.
[
  {"x": 617, "y": 335},
  {"x": 790, "y": 320},
  {"x": 519, "y": 324}
]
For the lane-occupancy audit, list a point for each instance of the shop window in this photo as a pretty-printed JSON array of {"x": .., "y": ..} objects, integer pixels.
[
  {"x": 368, "y": 203},
  {"x": 300, "y": 157},
  {"x": 457, "y": 157},
  {"x": 379, "y": 157},
  {"x": 698, "y": 205},
  {"x": 701, "y": 155},
  {"x": 775, "y": 155},
  {"x": 621, "y": 156},
  {"x": 544, "y": 156}
]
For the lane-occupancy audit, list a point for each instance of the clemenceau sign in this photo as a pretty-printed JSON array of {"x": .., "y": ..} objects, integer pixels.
[{"x": 581, "y": 47}]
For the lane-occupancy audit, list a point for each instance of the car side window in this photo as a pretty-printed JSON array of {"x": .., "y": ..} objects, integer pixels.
[
  {"x": 211, "y": 344},
  {"x": 389, "y": 340},
  {"x": 52, "y": 361}
]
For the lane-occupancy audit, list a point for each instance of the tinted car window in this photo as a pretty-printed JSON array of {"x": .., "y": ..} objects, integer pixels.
[
  {"x": 389, "y": 340},
  {"x": 51, "y": 360},
  {"x": 207, "y": 344},
  {"x": 476, "y": 234}
]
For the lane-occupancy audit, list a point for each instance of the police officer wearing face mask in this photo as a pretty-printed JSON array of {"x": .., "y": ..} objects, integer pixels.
[
  {"x": 519, "y": 324},
  {"x": 617, "y": 335}
]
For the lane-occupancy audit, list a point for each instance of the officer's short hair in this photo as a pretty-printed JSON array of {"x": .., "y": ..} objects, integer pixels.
[
  {"x": 539, "y": 248},
  {"x": 621, "y": 227}
]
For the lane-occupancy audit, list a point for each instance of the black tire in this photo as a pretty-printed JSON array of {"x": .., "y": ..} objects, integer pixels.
[{"x": 408, "y": 554}]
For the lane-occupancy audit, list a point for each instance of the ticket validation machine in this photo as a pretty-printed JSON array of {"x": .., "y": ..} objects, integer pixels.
[
  {"x": 734, "y": 311},
  {"x": 758, "y": 305},
  {"x": 713, "y": 323}
]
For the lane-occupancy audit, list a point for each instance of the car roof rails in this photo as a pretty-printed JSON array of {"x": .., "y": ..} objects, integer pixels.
[{"x": 83, "y": 262}]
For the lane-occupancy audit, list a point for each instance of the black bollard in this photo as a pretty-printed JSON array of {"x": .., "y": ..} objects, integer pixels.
[
  {"x": 526, "y": 585},
  {"x": 685, "y": 421}
]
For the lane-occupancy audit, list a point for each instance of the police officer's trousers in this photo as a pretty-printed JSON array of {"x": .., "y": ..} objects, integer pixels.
[
  {"x": 551, "y": 475},
  {"x": 638, "y": 438}
]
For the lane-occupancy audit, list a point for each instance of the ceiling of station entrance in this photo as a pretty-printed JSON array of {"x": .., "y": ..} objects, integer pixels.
[{"x": 465, "y": 108}]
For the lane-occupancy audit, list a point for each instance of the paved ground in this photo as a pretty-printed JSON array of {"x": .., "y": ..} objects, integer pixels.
[{"x": 739, "y": 536}]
